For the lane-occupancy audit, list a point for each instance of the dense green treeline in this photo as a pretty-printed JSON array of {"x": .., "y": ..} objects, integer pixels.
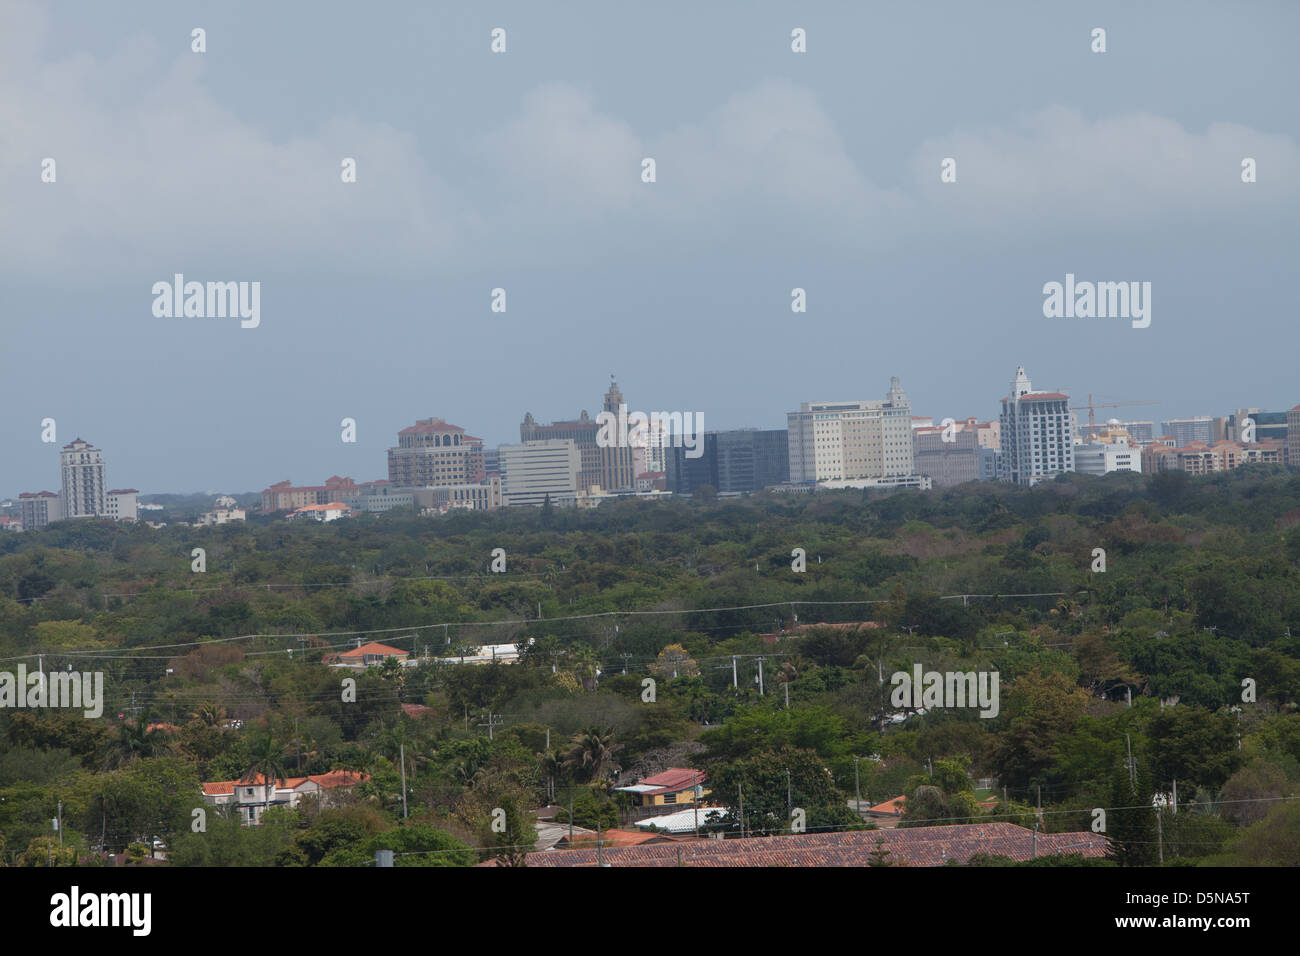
[{"x": 1179, "y": 654}]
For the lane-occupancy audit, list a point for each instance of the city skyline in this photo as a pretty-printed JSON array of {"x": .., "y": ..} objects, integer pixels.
[{"x": 410, "y": 435}]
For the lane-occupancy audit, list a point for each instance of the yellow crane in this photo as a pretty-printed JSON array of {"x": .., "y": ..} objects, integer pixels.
[{"x": 1092, "y": 426}]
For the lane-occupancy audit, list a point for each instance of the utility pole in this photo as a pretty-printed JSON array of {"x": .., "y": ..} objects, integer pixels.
[
  {"x": 570, "y": 815},
  {"x": 787, "y": 695},
  {"x": 740, "y": 792},
  {"x": 695, "y": 800},
  {"x": 1132, "y": 771},
  {"x": 857, "y": 790},
  {"x": 1160, "y": 832},
  {"x": 401, "y": 751},
  {"x": 760, "y": 676},
  {"x": 548, "y": 738},
  {"x": 492, "y": 720},
  {"x": 60, "y": 822},
  {"x": 789, "y": 801},
  {"x": 734, "y": 683},
  {"x": 1175, "y": 796}
]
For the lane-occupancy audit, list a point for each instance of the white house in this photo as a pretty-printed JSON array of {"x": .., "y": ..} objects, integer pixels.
[{"x": 249, "y": 797}]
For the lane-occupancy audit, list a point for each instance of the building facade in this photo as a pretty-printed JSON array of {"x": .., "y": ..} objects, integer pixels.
[
  {"x": 83, "y": 480},
  {"x": 1103, "y": 457},
  {"x": 1037, "y": 433},
  {"x": 737, "y": 461},
  {"x": 122, "y": 504},
  {"x": 847, "y": 440},
  {"x": 948, "y": 463},
  {"x": 434, "y": 452},
  {"x": 1293, "y": 437},
  {"x": 1185, "y": 431},
  {"x": 535, "y": 470},
  {"x": 284, "y": 496},
  {"x": 1200, "y": 458},
  {"x": 39, "y": 508}
]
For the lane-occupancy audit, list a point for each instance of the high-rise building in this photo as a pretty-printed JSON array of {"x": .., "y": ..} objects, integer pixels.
[
  {"x": 1268, "y": 425},
  {"x": 1037, "y": 433},
  {"x": 433, "y": 452},
  {"x": 1184, "y": 431},
  {"x": 581, "y": 431},
  {"x": 83, "y": 480},
  {"x": 948, "y": 463},
  {"x": 612, "y": 468},
  {"x": 534, "y": 470},
  {"x": 1293, "y": 437},
  {"x": 1140, "y": 433},
  {"x": 732, "y": 462},
  {"x": 846, "y": 440},
  {"x": 616, "y": 467}
]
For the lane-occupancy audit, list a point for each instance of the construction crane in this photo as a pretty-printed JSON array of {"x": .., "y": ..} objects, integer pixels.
[{"x": 1092, "y": 427}]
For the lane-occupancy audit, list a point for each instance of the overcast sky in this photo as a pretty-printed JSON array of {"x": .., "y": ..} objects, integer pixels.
[{"x": 522, "y": 170}]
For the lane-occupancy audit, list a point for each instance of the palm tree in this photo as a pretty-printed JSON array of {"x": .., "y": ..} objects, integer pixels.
[
  {"x": 135, "y": 741},
  {"x": 593, "y": 750},
  {"x": 211, "y": 714},
  {"x": 551, "y": 765},
  {"x": 265, "y": 757},
  {"x": 793, "y": 667}
]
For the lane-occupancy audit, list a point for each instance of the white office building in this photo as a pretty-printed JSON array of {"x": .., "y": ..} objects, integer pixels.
[
  {"x": 837, "y": 441},
  {"x": 1101, "y": 458},
  {"x": 535, "y": 469},
  {"x": 1037, "y": 433}
]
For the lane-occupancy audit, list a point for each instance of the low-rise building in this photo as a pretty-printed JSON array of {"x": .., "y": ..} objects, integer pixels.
[
  {"x": 665, "y": 791},
  {"x": 251, "y": 796},
  {"x": 327, "y": 512},
  {"x": 1103, "y": 457},
  {"x": 367, "y": 655}
]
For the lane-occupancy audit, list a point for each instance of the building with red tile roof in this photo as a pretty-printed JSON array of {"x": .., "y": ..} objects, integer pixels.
[
  {"x": 250, "y": 797},
  {"x": 367, "y": 655},
  {"x": 914, "y": 846}
]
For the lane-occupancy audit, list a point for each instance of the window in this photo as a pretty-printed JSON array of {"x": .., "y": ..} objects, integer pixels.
[{"x": 670, "y": 798}]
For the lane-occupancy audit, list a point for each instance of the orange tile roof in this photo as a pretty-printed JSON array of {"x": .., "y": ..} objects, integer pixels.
[
  {"x": 335, "y": 778},
  {"x": 375, "y": 648},
  {"x": 894, "y": 806},
  {"x": 917, "y": 846}
]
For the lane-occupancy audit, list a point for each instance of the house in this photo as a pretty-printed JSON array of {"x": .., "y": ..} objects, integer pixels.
[
  {"x": 916, "y": 846},
  {"x": 682, "y": 821},
  {"x": 672, "y": 788},
  {"x": 611, "y": 838},
  {"x": 250, "y": 797},
  {"x": 368, "y": 655},
  {"x": 888, "y": 813}
]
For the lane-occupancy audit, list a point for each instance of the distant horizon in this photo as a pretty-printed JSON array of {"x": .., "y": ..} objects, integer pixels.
[{"x": 212, "y": 257}]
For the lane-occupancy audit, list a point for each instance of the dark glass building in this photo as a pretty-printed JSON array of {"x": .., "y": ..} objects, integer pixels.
[{"x": 733, "y": 462}]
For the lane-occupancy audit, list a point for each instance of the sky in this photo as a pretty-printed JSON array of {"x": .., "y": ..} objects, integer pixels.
[{"x": 522, "y": 170}]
